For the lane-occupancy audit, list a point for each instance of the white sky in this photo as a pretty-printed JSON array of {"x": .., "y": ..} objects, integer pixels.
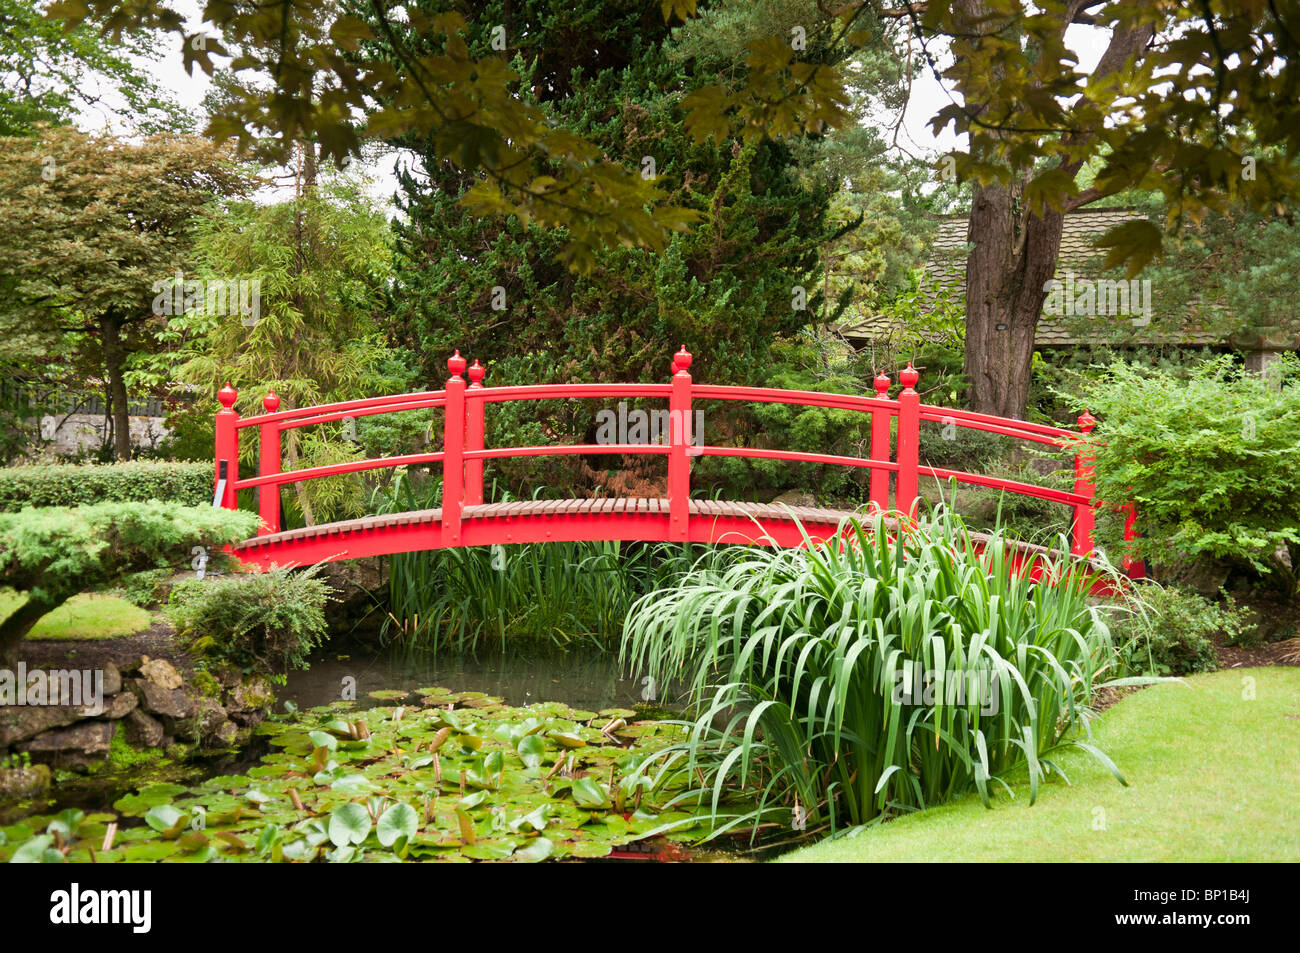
[{"x": 927, "y": 96}]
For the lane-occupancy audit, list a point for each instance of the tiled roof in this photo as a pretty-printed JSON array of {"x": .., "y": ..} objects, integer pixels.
[{"x": 1078, "y": 257}]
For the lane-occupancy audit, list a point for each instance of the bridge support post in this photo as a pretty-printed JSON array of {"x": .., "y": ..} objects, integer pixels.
[
  {"x": 880, "y": 421},
  {"x": 679, "y": 460},
  {"x": 909, "y": 442},
  {"x": 474, "y": 427},
  {"x": 453, "y": 449},
  {"x": 1133, "y": 568},
  {"x": 268, "y": 464},
  {"x": 1084, "y": 517},
  {"x": 227, "y": 450}
]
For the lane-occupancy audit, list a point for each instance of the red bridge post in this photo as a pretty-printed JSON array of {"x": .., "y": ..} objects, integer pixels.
[
  {"x": 268, "y": 464},
  {"x": 1084, "y": 519},
  {"x": 453, "y": 449},
  {"x": 880, "y": 421},
  {"x": 909, "y": 442},
  {"x": 1134, "y": 568},
  {"x": 679, "y": 460},
  {"x": 227, "y": 450},
  {"x": 474, "y": 428}
]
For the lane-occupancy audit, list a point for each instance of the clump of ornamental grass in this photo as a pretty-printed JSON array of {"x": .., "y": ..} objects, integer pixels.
[{"x": 878, "y": 673}]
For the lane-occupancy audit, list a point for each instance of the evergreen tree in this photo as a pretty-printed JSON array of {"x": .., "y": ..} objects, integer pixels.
[{"x": 497, "y": 289}]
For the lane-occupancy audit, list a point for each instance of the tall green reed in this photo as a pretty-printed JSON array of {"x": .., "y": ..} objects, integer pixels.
[
  {"x": 556, "y": 594},
  {"x": 799, "y": 663}
]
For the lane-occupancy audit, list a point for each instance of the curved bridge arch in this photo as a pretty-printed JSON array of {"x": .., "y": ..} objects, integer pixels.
[{"x": 464, "y": 519}]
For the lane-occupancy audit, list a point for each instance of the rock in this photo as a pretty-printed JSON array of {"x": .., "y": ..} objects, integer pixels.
[
  {"x": 161, "y": 673},
  {"x": 21, "y": 722},
  {"x": 73, "y": 747},
  {"x": 173, "y": 702},
  {"x": 225, "y": 735},
  {"x": 250, "y": 718},
  {"x": 26, "y": 782},
  {"x": 796, "y": 498},
  {"x": 228, "y": 675},
  {"x": 119, "y": 706},
  {"x": 208, "y": 716},
  {"x": 254, "y": 693},
  {"x": 112, "y": 679},
  {"x": 142, "y": 730}
]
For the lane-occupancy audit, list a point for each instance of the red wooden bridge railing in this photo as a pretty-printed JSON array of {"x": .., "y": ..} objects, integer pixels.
[{"x": 463, "y": 454}]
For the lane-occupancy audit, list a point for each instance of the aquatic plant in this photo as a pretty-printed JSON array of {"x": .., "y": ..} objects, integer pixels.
[
  {"x": 455, "y": 777},
  {"x": 464, "y": 600},
  {"x": 885, "y": 672}
]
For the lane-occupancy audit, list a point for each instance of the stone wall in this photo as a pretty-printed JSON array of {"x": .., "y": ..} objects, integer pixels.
[{"x": 150, "y": 703}]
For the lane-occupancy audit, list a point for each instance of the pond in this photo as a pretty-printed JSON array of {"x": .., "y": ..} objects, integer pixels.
[{"x": 582, "y": 680}]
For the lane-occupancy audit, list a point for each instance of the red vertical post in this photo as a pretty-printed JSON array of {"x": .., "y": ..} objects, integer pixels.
[
  {"x": 474, "y": 428},
  {"x": 909, "y": 442},
  {"x": 1084, "y": 516},
  {"x": 227, "y": 450},
  {"x": 1135, "y": 568},
  {"x": 268, "y": 464},
  {"x": 880, "y": 422},
  {"x": 679, "y": 460},
  {"x": 453, "y": 450}
]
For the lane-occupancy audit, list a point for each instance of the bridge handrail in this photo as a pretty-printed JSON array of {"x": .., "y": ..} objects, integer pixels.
[
  {"x": 1008, "y": 427},
  {"x": 513, "y": 392},
  {"x": 807, "y": 398},
  {"x": 895, "y": 425},
  {"x": 361, "y": 407}
]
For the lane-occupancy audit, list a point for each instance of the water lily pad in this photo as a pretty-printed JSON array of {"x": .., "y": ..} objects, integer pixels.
[
  {"x": 349, "y": 824},
  {"x": 400, "y": 820},
  {"x": 537, "y": 849}
]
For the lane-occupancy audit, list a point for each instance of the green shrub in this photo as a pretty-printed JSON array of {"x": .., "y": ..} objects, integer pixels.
[
  {"x": 139, "y": 481},
  {"x": 804, "y": 656},
  {"x": 1211, "y": 456},
  {"x": 50, "y": 554},
  {"x": 267, "y": 621},
  {"x": 1170, "y": 630}
]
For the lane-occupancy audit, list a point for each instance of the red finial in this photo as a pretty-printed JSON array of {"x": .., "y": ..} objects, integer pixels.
[
  {"x": 476, "y": 374},
  {"x": 882, "y": 384},
  {"x": 908, "y": 376},
  {"x": 271, "y": 401},
  {"x": 456, "y": 364},
  {"x": 681, "y": 360},
  {"x": 1086, "y": 422},
  {"x": 227, "y": 395}
]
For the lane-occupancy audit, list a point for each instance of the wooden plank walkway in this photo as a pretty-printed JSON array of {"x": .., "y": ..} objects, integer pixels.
[{"x": 811, "y": 517}]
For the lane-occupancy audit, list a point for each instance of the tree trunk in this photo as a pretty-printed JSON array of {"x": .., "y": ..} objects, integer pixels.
[
  {"x": 114, "y": 365},
  {"x": 21, "y": 621},
  {"x": 1009, "y": 266}
]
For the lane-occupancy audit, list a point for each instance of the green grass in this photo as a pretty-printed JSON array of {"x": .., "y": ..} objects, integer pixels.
[
  {"x": 1212, "y": 776},
  {"x": 86, "y": 616}
]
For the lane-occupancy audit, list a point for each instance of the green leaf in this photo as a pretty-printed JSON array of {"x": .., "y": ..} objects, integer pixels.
[
  {"x": 400, "y": 820},
  {"x": 349, "y": 824}
]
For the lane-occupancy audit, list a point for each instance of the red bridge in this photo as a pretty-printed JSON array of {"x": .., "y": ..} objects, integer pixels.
[{"x": 464, "y": 519}]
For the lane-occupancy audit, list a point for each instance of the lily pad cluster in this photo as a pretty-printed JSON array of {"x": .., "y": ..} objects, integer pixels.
[{"x": 456, "y": 777}]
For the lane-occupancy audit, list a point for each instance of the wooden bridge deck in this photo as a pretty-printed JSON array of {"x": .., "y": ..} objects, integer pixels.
[{"x": 526, "y": 521}]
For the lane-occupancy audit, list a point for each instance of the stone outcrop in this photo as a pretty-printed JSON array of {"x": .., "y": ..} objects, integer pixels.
[{"x": 153, "y": 705}]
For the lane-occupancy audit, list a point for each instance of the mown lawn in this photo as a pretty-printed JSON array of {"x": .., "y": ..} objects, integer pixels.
[
  {"x": 86, "y": 616},
  {"x": 1213, "y": 776}
]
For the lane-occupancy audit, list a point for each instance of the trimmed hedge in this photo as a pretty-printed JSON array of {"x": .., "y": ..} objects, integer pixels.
[{"x": 189, "y": 484}]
